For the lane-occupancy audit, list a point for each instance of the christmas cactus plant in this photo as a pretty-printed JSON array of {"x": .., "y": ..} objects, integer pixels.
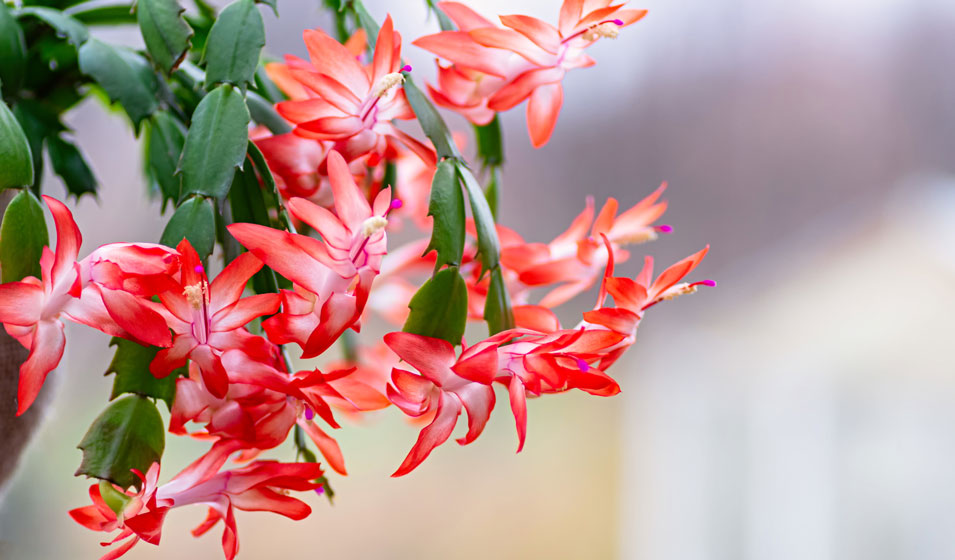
[{"x": 287, "y": 178}]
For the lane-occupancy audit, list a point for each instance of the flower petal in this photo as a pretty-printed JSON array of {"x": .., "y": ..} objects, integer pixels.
[
  {"x": 328, "y": 89},
  {"x": 615, "y": 319},
  {"x": 460, "y": 48},
  {"x": 542, "y": 110},
  {"x": 510, "y": 40},
  {"x": 135, "y": 317},
  {"x": 676, "y": 272},
  {"x": 213, "y": 374},
  {"x": 523, "y": 87},
  {"x": 434, "y": 434},
  {"x": 536, "y": 317},
  {"x": 338, "y": 314},
  {"x": 464, "y": 17},
  {"x": 173, "y": 357},
  {"x": 478, "y": 400},
  {"x": 68, "y": 238},
  {"x": 241, "y": 312},
  {"x": 540, "y": 32},
  {"x": 327, "y": 446},
  {"x": 518, "y": 399},
  {"x": 570, "y": 12},
  {"x": 332, "y": 58},
  {"x": 387, "y": 55},
  {"x": 265, "y": 499},
  {"x": 228, "y": 286},
  {"x": 279, "y": 251},
  {"x": 433, "y": 357},
  {"x": 45, "y": 355},
  {"x": 333, "y": 128},
  {"x": 350, "y": 205},
  {"x": 20, "y": 303},
  {"x": 304, "y": 110}
]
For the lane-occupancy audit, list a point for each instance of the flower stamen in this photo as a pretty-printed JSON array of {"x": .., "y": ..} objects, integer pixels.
[
  {"x": 195, "y": 295},
  {"x": 608, "y": 29},
  {"x": 387, "y": 83},
  {"x": 373, "y": 225}
]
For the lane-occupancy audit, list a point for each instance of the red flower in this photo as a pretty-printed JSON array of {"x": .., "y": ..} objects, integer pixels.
[
  {"x": 208, "y": 319},
  {"x": 261, "y": 486},
  {"x": 262, "y": 405},
  {"x": 446, "y": 384},
  {"x": 31, "y": 310}
]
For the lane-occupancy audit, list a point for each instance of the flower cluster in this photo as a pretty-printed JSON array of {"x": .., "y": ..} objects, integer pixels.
[{"x": 338, "y": 171}]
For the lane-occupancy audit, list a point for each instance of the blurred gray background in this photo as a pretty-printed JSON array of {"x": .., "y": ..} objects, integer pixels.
[{"x": 801, "y": 410}]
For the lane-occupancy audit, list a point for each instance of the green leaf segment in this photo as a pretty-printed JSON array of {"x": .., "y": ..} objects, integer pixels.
[
  {"x": 453, "y": 174},
  {"x": 22, "y": 237},
  {"x": 128, "y": 435}
]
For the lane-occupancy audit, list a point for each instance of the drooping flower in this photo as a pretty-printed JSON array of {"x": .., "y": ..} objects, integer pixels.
[
  {"x": 494, "y": 68},
  {"x": 527, "y": 362},
  {"x": 31, "y": 310},
  {"x": 446, "y": 384},
  {"x": 260, "y": 486}
]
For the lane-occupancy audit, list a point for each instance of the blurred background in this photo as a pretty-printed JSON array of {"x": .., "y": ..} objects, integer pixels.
[{"x": 801, "y": 410}]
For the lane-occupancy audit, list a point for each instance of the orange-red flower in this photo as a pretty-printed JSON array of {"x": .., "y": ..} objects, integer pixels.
[
  {"x": 333, "y": 276},
  {"x": 495, "y": 69},
  {"x": 338, "y": 100}
]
